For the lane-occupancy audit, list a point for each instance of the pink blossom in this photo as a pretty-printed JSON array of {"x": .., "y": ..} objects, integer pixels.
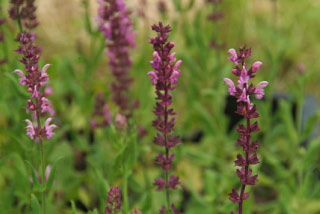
[
  {"x": 234, "y": 56},
  {"x": 244, "y": 78},
  {"x": 232, "y": 88},
  {"x": 44, "y": 78},
  {"x": 46, "y": 106},
  {"x": 259, "y": 91},
  {"x": 23, "y": 79},
  {"x": 256, "y": 66},
  {"x": 156, "y": 63},
  {"x": 243, "y": 97},
  {"x": 154, "y": 77},
  {"x": 120, "y": 121},
  {"x": 35, "y": 93},
  {"x": 49, "y": 128},
  {"x": 175, "y": 73},
  {"x": 30, "y": 130}
]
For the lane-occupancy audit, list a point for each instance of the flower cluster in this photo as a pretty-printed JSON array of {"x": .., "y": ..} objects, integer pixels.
[
  {"x": 24, "y": 10},
  {"x": 113, "y": 201},
  {"x": 101, "y": 116},
  {"x": 33, "y": 78},
  {"x": 115, "y": 24},
  {"x": 164, "y": 77},
  {"x": 242, "y": 91}
]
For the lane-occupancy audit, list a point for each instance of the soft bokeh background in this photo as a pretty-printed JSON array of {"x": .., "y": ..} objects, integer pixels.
[{"x": 284, "y": 35}]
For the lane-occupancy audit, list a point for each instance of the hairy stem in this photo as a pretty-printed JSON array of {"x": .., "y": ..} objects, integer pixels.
[
  {"x": 42, "y": 165},
  {"x": 243, "y": 186},
  {"x": 125, "y": 190}
]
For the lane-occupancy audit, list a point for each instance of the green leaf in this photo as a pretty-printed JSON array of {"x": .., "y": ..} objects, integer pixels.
[
  {"x": 34, "y": 176},
  {"x": 73, "y": 206},
  {"x": 130, "y": 153},
  {"x": 312, "y": 154},
  {"x": 52, "y": 176},
  {"x": 35, "y": 206},
  {"x": 310, "y": 126}
]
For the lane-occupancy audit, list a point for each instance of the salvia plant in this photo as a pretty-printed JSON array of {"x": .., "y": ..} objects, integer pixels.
[
  {"x": 101, "y": 164},
  {"x": 117, "y": 27},
  {"x": 165, "y": 77},
  {"x": 35, "y": 79},
  {"x": 242, "y": 91}
]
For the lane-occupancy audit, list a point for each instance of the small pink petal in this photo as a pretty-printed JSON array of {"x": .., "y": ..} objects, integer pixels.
[
  {"x": 22, "y": 80},
  {"x": 259, "y": 91},
  {"x": 154, "y": 77},
  {"x": 230, "y": 83},
  {"x": 234, "y": 55},
  {"x": 256, "y": 66}
]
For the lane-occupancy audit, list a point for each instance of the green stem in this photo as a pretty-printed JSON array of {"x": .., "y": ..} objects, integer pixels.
[
  {"x": 125, "y": 190},
  {"x": 43, "y": 204},
  {"x": 20, "y": 25},
  {"x": 43, "y": 178},
  {"x": 19, "y": 21}
]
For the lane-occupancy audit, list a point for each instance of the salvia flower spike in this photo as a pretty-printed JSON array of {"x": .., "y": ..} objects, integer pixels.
[
  {"x": 243, "y": 91},
  {"x": 116, "y": 25},
  {"x": 113, "y": 203},
  {"x": 164, "y": 77},
  {"x": 35, "y": 79}
]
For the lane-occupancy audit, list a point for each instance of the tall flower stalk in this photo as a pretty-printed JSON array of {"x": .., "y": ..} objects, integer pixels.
[
  {"x": 117, "y": 27},
  {"x": 115, "y": 24},
  {"x": 165, "y": 77},
  {"x": 35, "y": 79},
  {"x": 248, "y": 110}
]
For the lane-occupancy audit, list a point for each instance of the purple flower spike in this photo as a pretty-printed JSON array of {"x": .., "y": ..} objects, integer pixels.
[
  {"x": 164, "y": 77},
  {"x": 116, "y": 25},
  {"x": 245, "y": 108},
  {"x": 34, "y": 78},
  {"x": 113, "y": 201}
]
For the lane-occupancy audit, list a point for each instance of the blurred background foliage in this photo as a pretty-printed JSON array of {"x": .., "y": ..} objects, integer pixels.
[{"x": 283, "y": 34}]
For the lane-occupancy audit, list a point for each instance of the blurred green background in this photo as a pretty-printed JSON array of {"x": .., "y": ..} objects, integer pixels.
[{"x": 283, "y": 34}]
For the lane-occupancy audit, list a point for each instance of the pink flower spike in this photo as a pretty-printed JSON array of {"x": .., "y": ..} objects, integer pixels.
[
  {"x": 30, "y": 129},
  {"x": 232, "y": 88},
  {"x": 259, "y": 91},
  {"x": 48, "y": 129},
  {"x": 234, "y": 56},
  {"x": 154, "y": 77},
  {"x": 22, "y": 80},
  {"x": 256, "y": 66}
]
